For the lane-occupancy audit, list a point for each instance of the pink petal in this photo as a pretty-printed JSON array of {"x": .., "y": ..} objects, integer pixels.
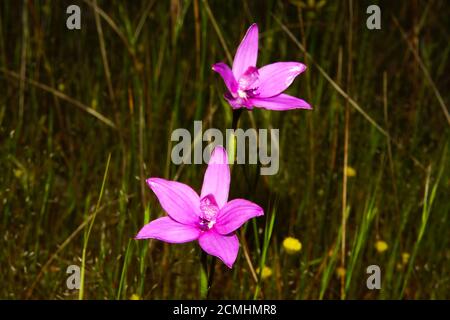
[
  {"x": 179, "y": 200},
  {"x": 247, "y": 52},
  {"x": 217, "y": 177},
  {"x": 234, "y": 214},
  {"x": 168, "y": 230},
  {"x": 235, "y": 103},
  {"x": 276, "y": 77},
  {"x": 227, "y": 76},
  {"x": 238, "y": 102},
  {"x": 280, "y": 102},
  {"x": 223, "y": 247}
]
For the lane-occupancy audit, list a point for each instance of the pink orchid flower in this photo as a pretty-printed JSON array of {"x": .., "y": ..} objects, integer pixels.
[
  {"x": 250, "y": 86},
  {"x": 209, "y": 218}
]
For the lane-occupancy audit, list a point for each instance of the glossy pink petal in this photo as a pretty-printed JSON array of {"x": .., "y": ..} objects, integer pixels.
[
  {"x": 227, "y": 76},
  {"x": 179, "y": 200},
  {"x": 235, "y": 103},
  {"x": 247, "y": 52},
  {"x": 168, "y": 230},
  {"x": 234, "y": 214},
  {"x": 280, "y": 102},
  {"x": 223, "y": 247},
  {"x": 217, "y": 177},
  {"x": 276, "y": 77}
]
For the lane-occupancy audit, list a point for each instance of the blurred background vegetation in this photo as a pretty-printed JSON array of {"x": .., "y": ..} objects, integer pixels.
[{"x": 374, "y": 147}]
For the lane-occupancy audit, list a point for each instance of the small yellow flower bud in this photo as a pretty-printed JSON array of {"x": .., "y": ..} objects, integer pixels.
[
  {"x": 405, "y": 257},
  {"x": 340, "y": 272},
  {"x": 350, "y": 172},
  {"x": 381, "y": 246},
  {"x": 18, "y": 173},
  {"x": 292, "y": 245},
  {"x": 135, "y": 296},
  {"x": 266, "y": 272}
]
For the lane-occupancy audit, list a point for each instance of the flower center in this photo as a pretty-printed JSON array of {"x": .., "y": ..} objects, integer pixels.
[
  {"x": 209, "y": 209},
  {"x": 206, "y": 225},
  {"x": 248, "y": 84},
  {"x": 242, "y": 94}
]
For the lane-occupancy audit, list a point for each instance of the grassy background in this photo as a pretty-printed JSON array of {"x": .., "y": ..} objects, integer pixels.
[{"x": 139, "y": 69}]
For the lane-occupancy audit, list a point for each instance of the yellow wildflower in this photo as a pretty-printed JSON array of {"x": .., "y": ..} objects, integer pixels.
[
  {"x": 292, "y": 245},
  {"x": 405, "y": 257},
  {"x": 266, "y": 272},
  {"x": 340, "y": 272},
  {"x": 18, "y": 173},
  {"x": 381, "y": 246},
  {"x": 350, "y": 172}
]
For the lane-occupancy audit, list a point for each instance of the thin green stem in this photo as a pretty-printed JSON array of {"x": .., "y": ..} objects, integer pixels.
[{"x": 86, "y": 239}]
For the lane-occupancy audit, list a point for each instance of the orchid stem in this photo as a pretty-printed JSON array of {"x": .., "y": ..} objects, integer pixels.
[
  {"x": 232, "y": 147},
  {"x": 236, "y": 115},
  {"x": 203, "y": 275},
  {"x": 212, "y": 267},
  {"x": 207, "y": 275}
]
